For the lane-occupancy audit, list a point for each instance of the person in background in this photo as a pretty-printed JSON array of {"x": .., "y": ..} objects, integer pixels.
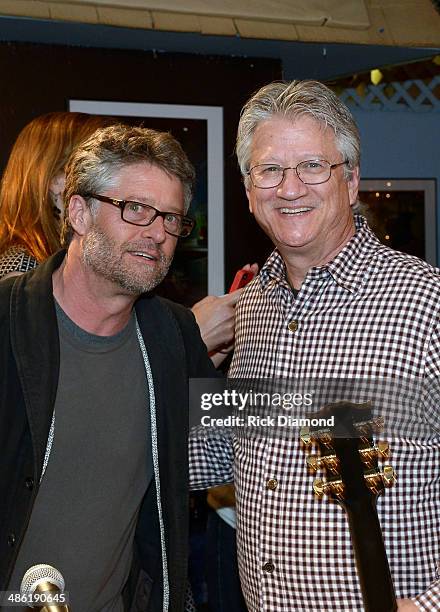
[
  {"x": 224, "y": 589},
  {"x": 31, "y": 193},
  {"x": 31, "y": 206}
]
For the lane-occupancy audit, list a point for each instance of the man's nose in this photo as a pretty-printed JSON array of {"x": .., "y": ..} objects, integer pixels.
[
  {"x": 155, "y": 231},
  {"x": 291, "y": 186}
]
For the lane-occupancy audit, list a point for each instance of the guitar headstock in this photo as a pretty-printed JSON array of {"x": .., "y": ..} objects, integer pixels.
[{"x": 348, "y": 454}]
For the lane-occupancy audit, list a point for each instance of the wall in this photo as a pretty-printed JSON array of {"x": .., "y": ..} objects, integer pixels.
[
  {"x": 38, "y": 78},
  {"x": 401, "y": 144}
]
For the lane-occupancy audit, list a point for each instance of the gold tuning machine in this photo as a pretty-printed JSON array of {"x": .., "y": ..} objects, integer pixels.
[
  {"x": 383, "y": 449},
  {"x": 305, "y": 436},
  {"x": 389, "y": 475},
  {"x": 333, "y": 486},
  {"x": 373, "y": 426},
  {"x": 369, "y": 454},
  {"x": 323, "y": 435},
  {"x": 330, "y": 462},
  {"x": 377, "y": 480}
]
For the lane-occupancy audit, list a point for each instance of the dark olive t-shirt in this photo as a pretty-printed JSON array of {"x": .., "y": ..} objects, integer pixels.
[{"x": 100, "y": 466}]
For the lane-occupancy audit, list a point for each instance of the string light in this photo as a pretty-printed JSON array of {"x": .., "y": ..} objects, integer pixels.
[{"x": 376, "y": 76}]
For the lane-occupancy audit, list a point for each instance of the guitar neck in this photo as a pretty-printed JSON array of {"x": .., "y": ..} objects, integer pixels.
[
  {"x": 349, "y": 456},
  {"x": 371, "y": 560}
]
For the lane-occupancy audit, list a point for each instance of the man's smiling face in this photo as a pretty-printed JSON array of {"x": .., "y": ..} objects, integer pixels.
[{"x": 314, "y": 221}]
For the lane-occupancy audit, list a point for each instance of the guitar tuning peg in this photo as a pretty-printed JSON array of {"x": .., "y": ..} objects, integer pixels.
[
  {"x": 369, "y": 454},
  {"x": 378, "y": 424},
  {"x": 374, "y": 481},
  {"x": 373, "y": 426},
  {"x": 377, "y": 480},
  {"x": 319, "y": 487},
  {"x": 305, "y": 436},
  {"x": 325, "y": 438},
  {"x": 314, "y": 462},
  {"x": 383, "y": 449},
  {"x": 334, "y": 487},
  {"x": 389, "y": 475},
  {"x": 330, "y": 462}
]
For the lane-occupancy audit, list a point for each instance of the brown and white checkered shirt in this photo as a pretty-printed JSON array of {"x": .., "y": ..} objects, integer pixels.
[{"x": 371, "y": 312}]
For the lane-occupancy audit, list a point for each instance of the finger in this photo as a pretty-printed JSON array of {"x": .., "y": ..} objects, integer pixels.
[
  {"x": 253, "y": 267},
  {"x": 232, "y": 298}
]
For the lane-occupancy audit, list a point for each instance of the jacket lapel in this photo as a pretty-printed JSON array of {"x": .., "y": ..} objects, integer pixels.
[
  {"x": 35, "y": 344},
  {"x": 166, "y": 354}
]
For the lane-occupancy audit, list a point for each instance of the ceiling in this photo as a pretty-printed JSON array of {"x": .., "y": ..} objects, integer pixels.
[
  {"x": 299, "y": 60},
  {"x": 374, "y": 22}
]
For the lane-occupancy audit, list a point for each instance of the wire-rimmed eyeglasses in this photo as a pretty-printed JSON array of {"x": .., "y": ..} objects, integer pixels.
[
  {"x": 137, "y": 213},
  {"x": 310, "y": 172}
]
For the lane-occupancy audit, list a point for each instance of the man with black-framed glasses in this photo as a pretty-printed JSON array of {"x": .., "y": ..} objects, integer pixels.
[
  {"x": 94, "y": 386},
  {"x": 332, "y": 306}
]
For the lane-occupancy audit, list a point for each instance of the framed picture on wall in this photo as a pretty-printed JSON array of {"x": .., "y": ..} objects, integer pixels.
[
  {"x": 198, "y": 266},
  {"x": 402, "y": 213}
]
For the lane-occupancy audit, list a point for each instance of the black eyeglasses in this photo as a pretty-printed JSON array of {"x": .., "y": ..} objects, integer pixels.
[
  {"x": 138, "y": 213},
  {"x": 310, "y": 172}
]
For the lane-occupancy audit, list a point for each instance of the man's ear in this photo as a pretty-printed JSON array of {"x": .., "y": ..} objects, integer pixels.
[
  {"x": 249, "y": 197},
  {"x": 353, "y": 185},
  {"x": 79, "y": 214}
]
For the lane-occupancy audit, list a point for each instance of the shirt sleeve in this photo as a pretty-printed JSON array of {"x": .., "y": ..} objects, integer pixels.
[
  {"x": 432, "y": 381},
  {"x": 430, "y": 599},
  {"x": 211, "y": 458}
]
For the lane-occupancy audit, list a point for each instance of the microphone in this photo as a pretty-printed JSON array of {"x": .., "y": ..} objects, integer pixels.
[{"x": 44, "y": 585}]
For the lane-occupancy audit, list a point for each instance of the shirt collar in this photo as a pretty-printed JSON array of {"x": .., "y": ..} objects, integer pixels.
[{"x": 347, "y": 269}]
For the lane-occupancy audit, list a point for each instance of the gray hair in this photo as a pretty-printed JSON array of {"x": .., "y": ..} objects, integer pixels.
[
  {"x": 295, "y": 99},
  {"x": 93, "y": 166}
]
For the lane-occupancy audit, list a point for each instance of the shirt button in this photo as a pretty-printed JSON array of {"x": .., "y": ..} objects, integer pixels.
[
  {"x": 268, "y": 567},
  {"x": 272, "y": 484},
  {"x": 293, "y": 326},
  {"x": 11, "y": 539},
  {"x": 29, "y": 482}
]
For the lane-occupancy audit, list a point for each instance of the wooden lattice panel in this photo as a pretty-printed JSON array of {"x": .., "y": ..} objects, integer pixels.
[{"x": 415, "y": 95}]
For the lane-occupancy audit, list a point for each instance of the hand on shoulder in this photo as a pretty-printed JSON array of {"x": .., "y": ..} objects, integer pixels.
[{"x": 406, "y": 605}]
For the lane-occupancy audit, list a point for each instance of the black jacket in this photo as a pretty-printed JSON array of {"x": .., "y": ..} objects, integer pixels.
[{"x": 29, "y": 367}]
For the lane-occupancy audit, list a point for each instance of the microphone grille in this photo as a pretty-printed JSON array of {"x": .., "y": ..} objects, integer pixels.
[{"x": 37, "y": 574}]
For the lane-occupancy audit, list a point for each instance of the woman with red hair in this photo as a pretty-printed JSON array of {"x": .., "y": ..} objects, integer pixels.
[{"x": 32, "y": 186}]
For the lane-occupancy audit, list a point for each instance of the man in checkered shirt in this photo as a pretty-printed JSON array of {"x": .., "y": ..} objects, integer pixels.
[{"x": 330, "y": 302}]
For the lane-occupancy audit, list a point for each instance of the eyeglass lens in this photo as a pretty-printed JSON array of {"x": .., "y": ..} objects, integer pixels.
[
  {"x": 142, "y": 214},
  {"x": 309, "y": 172}
]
